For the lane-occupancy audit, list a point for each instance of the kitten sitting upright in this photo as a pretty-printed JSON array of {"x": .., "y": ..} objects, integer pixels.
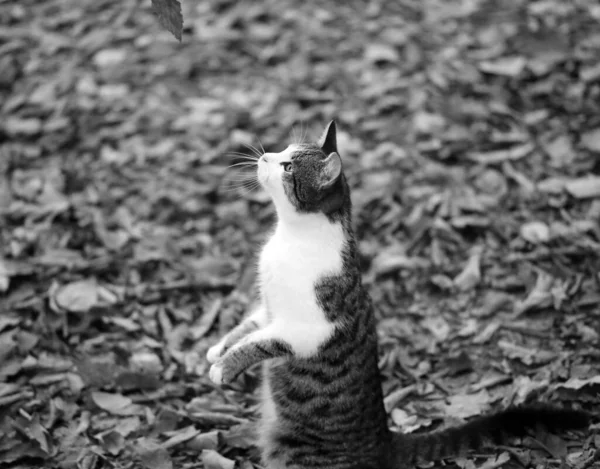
[{"x": 322, "y": 397}]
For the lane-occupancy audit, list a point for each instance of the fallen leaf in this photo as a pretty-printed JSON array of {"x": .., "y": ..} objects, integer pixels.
[
  {"x": 552, "y": 185},
  {"x": 443, "y": 282},
  {"x": 470, "y": 276},
  {"x": 499, "y": 156},
  {"x": 241, "y": 436},
  {"x": 127, "y": 425},
  {"x": 494, "y": 462},
  {"x": 535, "y": 232},
  {"x": 113, "y": 403},
  {"x": 113, "y": 442},
  {"x": 180, "y": 436},
  {"x": 487, "y": 333},
  {"x": 213, "y": 271},
  {"x": 403, "y": 419},
  {"x": 584, "y": 188},
  {"x": 209, "y": 440},
  {"x": 213, "y": 460},
  {"x": 16, "y": 126},
  {"x": 505, "y": 66},
  {"x": 561, "y": 151},
  {"x": 77, "y": 297},
  {"x": 206, "y": 321},
  {"x": 386, "y": 263},
  {"x": 539, "y": 297},
  {"x": 591, "y": 139},
  {"x": 152, "y": 454},
  {"x": 556, "y": 446},
  {"x": 4, "y": 278},
  {"x": 381, "y": 53},
  {"x": 467, "y": 405},
  {"x": 438, "y": 326},
  {"x": 526, "y": 355},
  {"x": 395, "y": 397},
  {"x": 109, "y": 57},
  {"x": 524, "y": 387},
  {"x": 578, "y": 383}
]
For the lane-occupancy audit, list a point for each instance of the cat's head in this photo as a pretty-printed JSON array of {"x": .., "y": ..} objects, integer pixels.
[{"x": 306, "y": 178}]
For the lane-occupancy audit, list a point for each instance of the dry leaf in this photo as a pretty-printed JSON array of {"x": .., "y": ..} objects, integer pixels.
[
  {"x": 113, "y": 403},
  {"x": 499, "y": 156},
  {"x": 539, "y": 297},
  {"x": 213, "y": 460},
  {"x": 209, "y": 440},
  {"x": 467, "y": 405},
  {"x": 81, "y": 296},
  {"x": 153, "y": 455},
  {"x": 241, "y": 436},
  {"x": 506, "y": 66},
  {"x": 180, "y": 436},
  {"x": 591, "y": 139},
  {"x": 584, "y": 188},
  {"x": 578, "y": 383},
  {"x": 535, "y": 232},
  {"x": 4, "y": 278},
  {"x": 470, "y": 277},
  {"x": 381, "y": 53},
  {"x": 113, "y": 442},
  {"x": 169, "y": 16}
]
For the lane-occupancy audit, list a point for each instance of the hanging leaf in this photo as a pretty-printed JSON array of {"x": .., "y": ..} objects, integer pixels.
[{"x": 169, "y": 16}]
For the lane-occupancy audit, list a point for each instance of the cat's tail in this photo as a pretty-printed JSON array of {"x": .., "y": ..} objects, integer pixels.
[{"x": 495, "y": 429}]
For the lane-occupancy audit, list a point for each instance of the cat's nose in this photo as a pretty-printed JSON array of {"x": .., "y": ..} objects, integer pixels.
[{"x": 265, "y": 157}]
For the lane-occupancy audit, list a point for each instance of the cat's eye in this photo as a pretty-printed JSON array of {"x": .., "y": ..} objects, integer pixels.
[{"x": 287, "y": 167}]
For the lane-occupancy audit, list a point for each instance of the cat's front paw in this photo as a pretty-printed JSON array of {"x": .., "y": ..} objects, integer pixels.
[
  {"x": 215, "y": 352},
  {"x": 216, "y": 374}
]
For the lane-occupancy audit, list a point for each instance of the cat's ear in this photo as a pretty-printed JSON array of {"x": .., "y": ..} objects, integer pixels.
[
  {"x": 328, "y": 140},
  {"x": 332, "y": 169}
]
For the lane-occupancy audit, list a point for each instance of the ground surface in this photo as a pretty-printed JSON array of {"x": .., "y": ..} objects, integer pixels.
[{"x": 471, "y": 137}]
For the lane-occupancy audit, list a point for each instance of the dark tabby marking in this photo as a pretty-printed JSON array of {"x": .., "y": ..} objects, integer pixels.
[
  {"x": 239, "y": 332},
  {"x": 493, "y": 429},
  {"x": 240, "y": 358},
  {"x": 327, "y": 408}
]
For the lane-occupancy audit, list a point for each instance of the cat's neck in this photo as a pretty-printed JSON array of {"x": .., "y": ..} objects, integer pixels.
[{"x": 312, "y": 227}]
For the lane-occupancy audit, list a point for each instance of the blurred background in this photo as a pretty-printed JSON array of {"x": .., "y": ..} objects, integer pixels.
[{"x": 470, "y": 134}]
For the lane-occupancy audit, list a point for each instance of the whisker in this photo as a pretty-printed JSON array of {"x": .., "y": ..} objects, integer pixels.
[
  {"x": 244, "y": 160},
  {"x": 243, "y": 164},
  {"x": 241, "y": 155},
  {"x": 305, "y": 133},
  {"x": 239, "y": 186},
  {"x": 258, "y": 151},
  {"x": 242, "y": 189},
  {"x": 253, "y": 149},
  {"x": 233, "y": 181},
  {"x": 261, "y": 145},
  {"x": 239, "y": 173}
]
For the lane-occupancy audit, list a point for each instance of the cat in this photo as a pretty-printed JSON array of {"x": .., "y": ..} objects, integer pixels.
[{"x": 314, "y": 330}]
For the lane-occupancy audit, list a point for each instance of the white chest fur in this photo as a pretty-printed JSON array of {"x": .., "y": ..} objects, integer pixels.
[{"x": 291, "y": 263}]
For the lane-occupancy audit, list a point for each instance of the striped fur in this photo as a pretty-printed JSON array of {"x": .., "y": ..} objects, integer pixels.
[
  {"x": 495, "y": 429},
  {"x": 315, "y": 331}
]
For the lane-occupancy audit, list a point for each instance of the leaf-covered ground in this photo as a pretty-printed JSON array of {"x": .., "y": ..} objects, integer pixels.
[{"x": 470, "y": 131}]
